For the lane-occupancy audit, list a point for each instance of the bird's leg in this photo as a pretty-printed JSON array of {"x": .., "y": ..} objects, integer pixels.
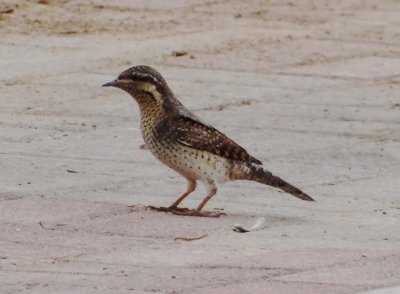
[
  {"x": 191, "y": 187},
  {"x": 174, "y": 206},
  {"x": 212, "y": 190}
]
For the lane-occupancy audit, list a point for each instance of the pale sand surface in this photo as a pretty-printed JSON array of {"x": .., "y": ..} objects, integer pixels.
[{"x": 311, "y": 88}]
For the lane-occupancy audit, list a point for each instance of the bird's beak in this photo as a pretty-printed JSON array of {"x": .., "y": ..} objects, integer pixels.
[{"x": 111, "y": 84}]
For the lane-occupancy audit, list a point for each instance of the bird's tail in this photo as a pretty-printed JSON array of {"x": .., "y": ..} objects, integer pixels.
[{"x": 257, "y": 173}]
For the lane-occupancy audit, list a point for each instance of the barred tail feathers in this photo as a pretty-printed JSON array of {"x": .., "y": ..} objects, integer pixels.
[{"x": 257, "y": 173}]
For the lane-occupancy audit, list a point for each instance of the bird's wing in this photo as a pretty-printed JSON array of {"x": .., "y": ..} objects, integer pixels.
[{"x": 195, "y": 134}]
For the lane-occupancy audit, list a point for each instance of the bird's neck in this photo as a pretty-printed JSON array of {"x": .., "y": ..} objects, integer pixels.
[
  {"x": 150, "y": 115},
  {"x": 147, "y": 104}
]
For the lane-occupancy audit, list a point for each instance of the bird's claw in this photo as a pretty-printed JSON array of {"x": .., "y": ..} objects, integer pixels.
[
  {"x": 167, "y": 209},
  {"x": 195, "y": 212},
  {"x": 187, "y": 212}
]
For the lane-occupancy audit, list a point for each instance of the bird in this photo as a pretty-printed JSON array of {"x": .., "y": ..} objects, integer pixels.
[{"x": 186, "y": 144}]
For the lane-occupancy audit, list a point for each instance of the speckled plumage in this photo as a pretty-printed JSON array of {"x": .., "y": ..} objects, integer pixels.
[{"x": 186, "y": 144}]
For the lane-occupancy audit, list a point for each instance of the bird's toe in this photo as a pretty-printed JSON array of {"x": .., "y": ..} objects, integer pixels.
[
  {"x": 183, "y": 211},
  {"x": 195, "y": 212}
]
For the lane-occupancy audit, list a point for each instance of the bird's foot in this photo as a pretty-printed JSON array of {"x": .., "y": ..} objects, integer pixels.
[
  {"x": 168, "y": 209},
  {"x": 187, "y": 212},
  {"x": 195, "y": 212}
]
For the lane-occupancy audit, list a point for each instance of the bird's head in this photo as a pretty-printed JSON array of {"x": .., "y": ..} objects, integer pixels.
[{"x": 144, "y": 83}]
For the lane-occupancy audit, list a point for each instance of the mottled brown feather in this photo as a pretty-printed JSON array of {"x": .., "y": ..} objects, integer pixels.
[{"x": 195, "y": 134}]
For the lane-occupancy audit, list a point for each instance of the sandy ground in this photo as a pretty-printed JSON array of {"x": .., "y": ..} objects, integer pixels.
[{"x": 311, "y": 88}]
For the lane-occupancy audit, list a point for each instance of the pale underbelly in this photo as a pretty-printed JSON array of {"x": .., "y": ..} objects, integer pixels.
[{"x": 191, "y": 163}]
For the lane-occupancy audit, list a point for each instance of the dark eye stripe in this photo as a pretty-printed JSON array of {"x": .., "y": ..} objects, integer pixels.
[{"x": 147, "y": 78}]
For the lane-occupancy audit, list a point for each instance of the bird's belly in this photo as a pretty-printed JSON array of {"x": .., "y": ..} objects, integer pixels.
[{"x": 192, "y": 163}]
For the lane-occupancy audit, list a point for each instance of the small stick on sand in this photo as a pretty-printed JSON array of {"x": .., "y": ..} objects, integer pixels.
[{"x": 190, "y": 239}]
